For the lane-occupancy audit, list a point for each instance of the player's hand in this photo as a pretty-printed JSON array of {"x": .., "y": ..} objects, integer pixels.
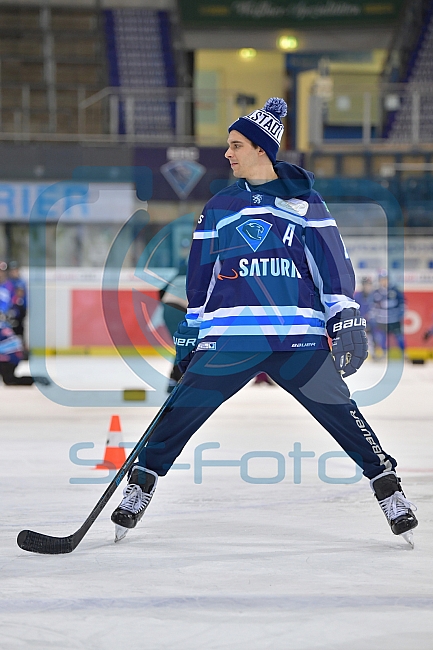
[
  {"x": 349, "y": 341},
  {"x": 185, "y": 340}
]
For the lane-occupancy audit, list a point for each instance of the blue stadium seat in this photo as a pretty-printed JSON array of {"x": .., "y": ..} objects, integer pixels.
[{"x": 140, "y": 56}]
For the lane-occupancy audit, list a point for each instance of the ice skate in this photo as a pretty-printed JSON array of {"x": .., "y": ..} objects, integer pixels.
[
  {"x": 136, "y": 497},
  {"x": 408, "y": 537},
  {"x": 396, "y": 508}
]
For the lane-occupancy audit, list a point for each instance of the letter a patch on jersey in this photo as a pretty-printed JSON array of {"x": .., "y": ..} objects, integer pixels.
[{"x": 254, "y": 231}]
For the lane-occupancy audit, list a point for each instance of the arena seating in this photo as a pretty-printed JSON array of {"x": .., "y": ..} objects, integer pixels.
[
  {"x": 418, "y": 76},
  {"x": 140, "y": 57},
  {"x": 48, "y": 56}
]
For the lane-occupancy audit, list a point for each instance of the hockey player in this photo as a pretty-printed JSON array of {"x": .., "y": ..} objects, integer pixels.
[
  {"x": 11, "y": 347},
  {"x": 173, "y": 298},
  {"x": 387, "y": 314},
  {"x": 11, "y": 353},
  {"x": 268, "y": 281},
  {"x": 19, "y": 302},
  {"x": 363, "y": 298}
]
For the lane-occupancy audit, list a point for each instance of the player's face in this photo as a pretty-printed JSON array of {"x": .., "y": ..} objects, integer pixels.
[{"x": 241, "y": 154}]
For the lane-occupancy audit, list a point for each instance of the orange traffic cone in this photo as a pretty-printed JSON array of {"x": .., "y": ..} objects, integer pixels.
[{"x": 114, "y": 455}]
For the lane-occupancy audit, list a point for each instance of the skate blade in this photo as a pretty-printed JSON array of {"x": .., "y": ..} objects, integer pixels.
[
  {"x": 119, "y": 532},
  {"x": 408, "y": 537}
]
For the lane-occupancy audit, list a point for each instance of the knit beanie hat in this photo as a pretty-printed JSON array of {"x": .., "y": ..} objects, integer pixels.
[{"x": 263, "y": 126}]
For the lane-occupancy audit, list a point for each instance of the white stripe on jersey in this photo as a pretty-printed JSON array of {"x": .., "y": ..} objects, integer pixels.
[
  {"x": 314, "y": 321},
  {"x": 283, "y": 214},
  {"x": 205, "y": 234},
  {"x": 265, "y": 310},
  {"x": 260, "y": 330}
]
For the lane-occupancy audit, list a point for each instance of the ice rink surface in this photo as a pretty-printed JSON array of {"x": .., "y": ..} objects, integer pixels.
[{"x": 227, "y": 563}]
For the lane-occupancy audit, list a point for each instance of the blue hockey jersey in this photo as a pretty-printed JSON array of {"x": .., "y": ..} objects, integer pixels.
[{"x": 267, "y": 267}]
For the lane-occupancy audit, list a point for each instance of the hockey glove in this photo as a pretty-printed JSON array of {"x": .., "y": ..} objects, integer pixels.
[
  {"x": 349, "y": 341},
  {"x": 185, "y": 340}
]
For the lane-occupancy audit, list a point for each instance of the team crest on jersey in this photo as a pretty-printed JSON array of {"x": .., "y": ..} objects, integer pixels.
[
  {"x": 254, "y": 231},
  {"x": 257, "y": 199}
]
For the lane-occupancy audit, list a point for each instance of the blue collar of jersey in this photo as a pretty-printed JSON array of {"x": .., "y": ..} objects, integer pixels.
[{"x": 292, "y": 181}]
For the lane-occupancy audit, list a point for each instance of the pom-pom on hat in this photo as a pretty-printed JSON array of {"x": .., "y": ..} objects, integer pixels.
[{"x": 263, "y": 126}]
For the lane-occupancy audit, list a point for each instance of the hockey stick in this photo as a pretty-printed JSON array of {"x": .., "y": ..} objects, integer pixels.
[{"x": 34, "y": 542}]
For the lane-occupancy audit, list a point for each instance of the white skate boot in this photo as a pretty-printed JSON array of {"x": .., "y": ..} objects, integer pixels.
[{"x": 136, "y": 497}]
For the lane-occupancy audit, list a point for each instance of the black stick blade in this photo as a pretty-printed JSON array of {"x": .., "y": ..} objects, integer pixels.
[{"x": 28, "y": 540}]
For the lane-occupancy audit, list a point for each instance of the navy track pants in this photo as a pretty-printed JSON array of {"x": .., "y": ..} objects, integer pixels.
[{"x": 310, "y": 376}]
